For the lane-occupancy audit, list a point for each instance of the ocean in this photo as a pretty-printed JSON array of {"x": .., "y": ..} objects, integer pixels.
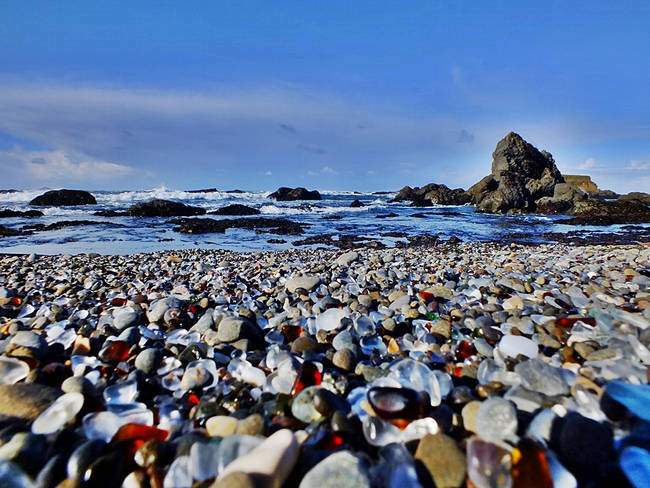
[{"x": 332, "y": 215}]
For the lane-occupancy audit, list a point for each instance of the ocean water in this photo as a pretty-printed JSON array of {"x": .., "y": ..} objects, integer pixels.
[{"x": 125, "y": 235}]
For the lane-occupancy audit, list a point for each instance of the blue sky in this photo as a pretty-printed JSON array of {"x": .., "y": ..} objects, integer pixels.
[{"x": 364, "y": 95}]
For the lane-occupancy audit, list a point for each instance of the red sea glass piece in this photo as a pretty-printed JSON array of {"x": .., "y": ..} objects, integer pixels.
[
  {"x": 426, "y": 296},
  {"x": 464, "y": 350},
  {"x": 566, "y": 322},
  {"x": 395, "y": 403},
  {"x": 115, "y": 352},
  {"x": 530, "y": 467},
  {"x": 331, "y": 442},
  {"x": 291, "y": 332},
  {"x": 308, "y": 375},
  {"x": 139, "y": 432},
  {"x": 118, "y": 302}
]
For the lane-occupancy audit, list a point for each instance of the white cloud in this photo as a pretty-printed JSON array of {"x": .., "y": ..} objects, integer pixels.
[
  {"x": 324, "y": 171},
  {"x": 371, "y": 172},
  {"x": 637, "y": 165},
  {"x": 58, "y": 166},
  {"x": 279, "y": 128},
  {"x": 588, "y": 164},
  {"x": 268, "y": 172}
]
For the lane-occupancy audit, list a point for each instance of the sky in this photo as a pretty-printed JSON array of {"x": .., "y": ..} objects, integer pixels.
[{"x": 364, "y": 95}]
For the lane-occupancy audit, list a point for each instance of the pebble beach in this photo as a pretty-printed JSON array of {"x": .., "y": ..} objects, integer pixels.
[{"x": 475, "y": 364}]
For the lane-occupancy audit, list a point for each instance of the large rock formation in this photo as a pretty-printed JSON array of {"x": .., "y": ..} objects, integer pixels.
[
  {"x": 285, "y": 194},
  {"x": 524, "y": 179},
  {"x": 432, "y": 194},
  {"x": 64, "y": 198},
  {"x": 521, "y": 174}
]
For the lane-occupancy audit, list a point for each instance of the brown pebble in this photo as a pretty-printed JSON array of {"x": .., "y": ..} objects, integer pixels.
[
  {"x": 344, "y": 359},
  {"x": 303, "y": 343},
  {"x": 251, "y": 425}
]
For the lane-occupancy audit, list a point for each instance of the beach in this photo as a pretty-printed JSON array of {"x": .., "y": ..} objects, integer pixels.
[{"x": 470, "y": 363}]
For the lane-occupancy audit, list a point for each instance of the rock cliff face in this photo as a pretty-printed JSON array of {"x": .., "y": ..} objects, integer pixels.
[
  {"x": 585, "y": 183},
  {"x": 521, "y": 175}
]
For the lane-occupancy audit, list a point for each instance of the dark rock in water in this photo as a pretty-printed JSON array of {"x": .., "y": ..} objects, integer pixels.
[
  {"x": 205, "y": 190},
  {"x": 163, "y": 208},
  {"x": 67, "y": 223},
  {"x": 599, "y": 212},
  {"x": 17, "y": 213},
  {"x": 211, "y": 226},
  {"x": 387, "y": 216},
  {"x": 6, "y": 232},
  {"x": 285, "y": 194},
  {"x": 111, "y": 213},
  {"x": 332, "y": 217},
  {"x": 432, "y": 194},
  {"x": 344, "y": 241},
  {"x": 26, "y": 400},
  {"x": 236, "y": 209},
  {"x": 64, "y": 198},
  {"x": 356, "y": 204},
  {"x": 521, "y": 174},
  {"x": 235, "y": 191}
]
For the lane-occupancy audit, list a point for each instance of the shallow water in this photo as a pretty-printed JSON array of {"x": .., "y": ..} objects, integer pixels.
[{"x": 140, "y": 234}]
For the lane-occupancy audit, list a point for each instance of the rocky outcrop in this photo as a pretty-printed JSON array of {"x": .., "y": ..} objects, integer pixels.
[
  {"x": 163, "y": 208},
  {"x": 7, "y": 213},
  {"x": 236, "y": 209},
  {"x": 212, "y": 226},
  {"x": 6, "y": 232},
  {"x": 64, "y": 198},
  {"x": 565, "y": 196},
  {"x": 285, "y": 194},
  {"x": 204, "y": 190},
  {"x": 432, "y": 194},
  {"x": 637, "y": 196},
  {"x": 357, "y": 204},
  {"x": 521, "y": 174},
  {"x": 594, "y": 211}
]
